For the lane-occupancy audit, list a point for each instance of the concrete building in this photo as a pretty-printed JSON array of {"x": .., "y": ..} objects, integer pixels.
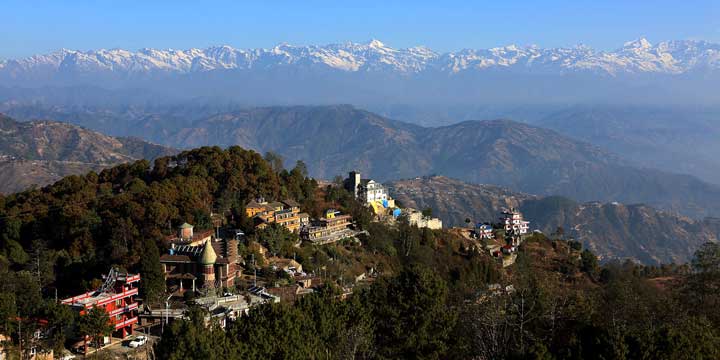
[
  {"x": 285, "y": 213},
  {"x": 416, "y": 218},
  {"x": 117, "y": 297},
  {"x": 186, "y": 235},
  {"x": 365, "y": 190},
  {"x": 513, "y": 221},
  {"x": 328, "y": 229}
]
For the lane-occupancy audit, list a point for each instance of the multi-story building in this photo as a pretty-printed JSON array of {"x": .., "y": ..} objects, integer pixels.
[
  {"x": 513, "y": 221},
  {"x": 117, "y": 297},
  {"x": 285, "y": 213},
  {"x": 365, "y": 190},
  {"x": 330, "y": 228}
]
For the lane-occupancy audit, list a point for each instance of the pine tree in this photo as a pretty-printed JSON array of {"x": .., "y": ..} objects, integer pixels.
[{"x": 152, "y": 283}]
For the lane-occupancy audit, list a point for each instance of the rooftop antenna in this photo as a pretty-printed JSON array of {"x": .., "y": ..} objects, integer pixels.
[{"x": 109, "y": 281}]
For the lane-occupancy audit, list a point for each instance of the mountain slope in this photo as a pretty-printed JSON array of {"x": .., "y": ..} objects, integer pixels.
[
  {"x": 41, "y": 152},
  {"x": 334, "y": 139},
  {"x": 680, "y": 139},
  {"x": 611, "y": 230}
]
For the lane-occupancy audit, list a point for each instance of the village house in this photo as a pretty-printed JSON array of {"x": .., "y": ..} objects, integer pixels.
[
  {"x": 504, "y": 249},
  {"x": 289, "y": 266},
  {"x": 328, "y": 229},
  {"x": 484, "y": 232},
  {"x": 191, "y": 266},
  {"x": 219, "y": 309}
]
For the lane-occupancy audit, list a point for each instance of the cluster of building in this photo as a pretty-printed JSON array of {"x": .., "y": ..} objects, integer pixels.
[
  {"x": 514, "y": 228},
  {"x": 203, "y": 260},
  {"x": 330, "y": 228},
  {"x": 417, "y": 218},
  {"x": 375, "y": 195}
]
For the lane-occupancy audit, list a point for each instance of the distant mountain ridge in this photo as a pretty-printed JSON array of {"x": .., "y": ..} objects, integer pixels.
[
  {"x": 611, "y": 230},
  {"x": 375, "y": 75},
  {"x": 334, "y": 139},
  {"x": 668, "y": 57},
  {"x": 41, "y": 152},
  {"x": 676, "y": 139}
]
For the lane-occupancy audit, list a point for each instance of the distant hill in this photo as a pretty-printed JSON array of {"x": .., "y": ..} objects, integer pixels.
[
  {"x": 334, "y": 139},
  {"x": 41, "y": 152},
  {"x": 680, "y": 139},
  {"x": 612, "y": 230}
]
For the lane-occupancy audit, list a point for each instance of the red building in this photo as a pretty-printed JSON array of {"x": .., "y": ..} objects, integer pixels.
[{"x": 117, "y": 297}]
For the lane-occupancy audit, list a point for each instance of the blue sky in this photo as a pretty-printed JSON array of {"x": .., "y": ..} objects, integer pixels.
[{"x": 38, "y": 26}]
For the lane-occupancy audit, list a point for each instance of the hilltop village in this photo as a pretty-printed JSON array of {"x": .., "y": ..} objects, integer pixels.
[
  {"x": 228, "y": 254},
  {"x": 227, "y": 271}
]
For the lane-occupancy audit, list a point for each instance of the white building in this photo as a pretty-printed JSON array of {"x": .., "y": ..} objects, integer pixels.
[
  {"x": 371, "y": 191},
  {"x": 513, "y": 221},
  {"x": 365, "y": 190}
]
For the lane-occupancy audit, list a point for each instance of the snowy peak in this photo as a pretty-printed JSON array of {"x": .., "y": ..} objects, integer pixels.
[
  {"x": 641, "y": 43},
  {"x": 638, "y": 56},
  {"x": 374, "y": 43}
]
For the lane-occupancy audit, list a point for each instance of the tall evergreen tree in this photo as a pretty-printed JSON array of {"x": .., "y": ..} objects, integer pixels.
[{"x": 152, "y": 283}]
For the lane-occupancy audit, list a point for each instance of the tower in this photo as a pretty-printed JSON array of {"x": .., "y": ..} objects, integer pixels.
[
  {"x": 207, "y": 261},
  {"x": 354, "y": 180},
  {"x": 186, "y": 231}
]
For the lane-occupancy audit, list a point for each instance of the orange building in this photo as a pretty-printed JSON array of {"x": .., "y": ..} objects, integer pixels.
[{"x": 254, "y": 208}]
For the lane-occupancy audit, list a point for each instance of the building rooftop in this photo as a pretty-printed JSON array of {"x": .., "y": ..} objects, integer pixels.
[
  {"x": 174, "y": 258},
  {"x": 112, "y": 290},
  {"x": 186, "y": 226},
  {"x": 291, "y": 203},
  {"x": 276, "y": 204}
]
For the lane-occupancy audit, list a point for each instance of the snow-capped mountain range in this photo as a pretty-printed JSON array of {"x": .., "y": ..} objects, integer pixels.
[{"x": 639, "y": 56}]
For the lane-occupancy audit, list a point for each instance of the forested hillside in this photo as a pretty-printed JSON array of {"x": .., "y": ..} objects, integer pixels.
[
  {"x": 435, "y": 295},
  {"x": 81, "y": 225},
  {"x": 555, "y": 303}
]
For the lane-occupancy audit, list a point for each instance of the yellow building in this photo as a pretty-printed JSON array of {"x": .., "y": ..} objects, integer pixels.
[{"x": 285, "y": 213}]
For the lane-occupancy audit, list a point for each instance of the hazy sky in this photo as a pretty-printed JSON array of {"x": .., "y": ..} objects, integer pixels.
[{"x": 38, "y": 26}]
